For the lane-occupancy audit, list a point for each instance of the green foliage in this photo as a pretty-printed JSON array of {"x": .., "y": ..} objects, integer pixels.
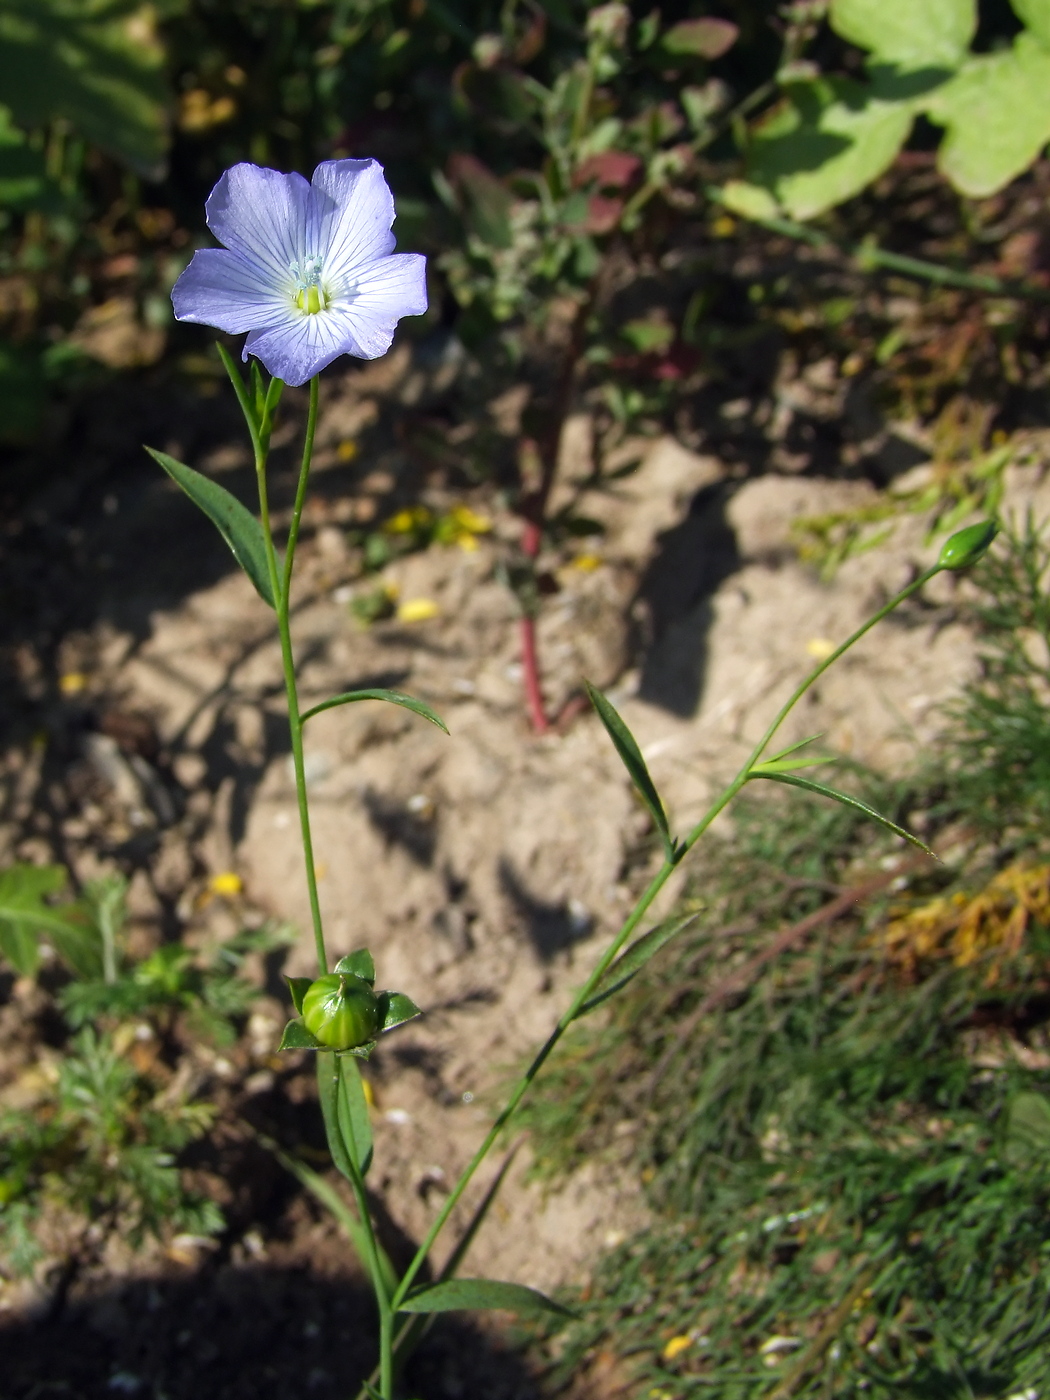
[
  {"x": 631, "y": 757},
  {"x": 998, "y": 740},
  {"x": 830, "y": 137},
  {"x": 102, "y": 1144},
  {"x": 97, "y": 65},
  {"x": 26, "y": 915},
  {"x": 845, "y": 1144}
]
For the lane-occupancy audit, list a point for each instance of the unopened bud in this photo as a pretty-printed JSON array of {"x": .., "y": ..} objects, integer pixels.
[
  {"x": 341, "y": 1011},
  {"x": 965, "y": 547}
]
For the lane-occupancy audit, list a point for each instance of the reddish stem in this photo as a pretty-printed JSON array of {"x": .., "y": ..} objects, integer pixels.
[{"x": 531, "y": 676}]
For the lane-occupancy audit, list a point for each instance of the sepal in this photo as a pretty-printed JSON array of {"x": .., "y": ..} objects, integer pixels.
[
  {"x": 297, "y": 1037},
  {"x": 298, "y": 987},
  {"x": 395, "y": 1009},
  {"x": 360, "y": 964}
]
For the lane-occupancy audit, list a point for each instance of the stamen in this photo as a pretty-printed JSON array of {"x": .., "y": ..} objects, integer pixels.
[{"x": 312, "y": 297}]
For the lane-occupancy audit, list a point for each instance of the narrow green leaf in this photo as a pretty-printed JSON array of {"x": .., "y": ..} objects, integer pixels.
[
  {"x": 298, "y": 987},
  {"x": 360, "y": 964},
  {"x": 858, "y": 806},
  {"x": 297, "y": 1037},
  {"x": 472, "y": 1294},
  {"x": 355, "y": 1125},
  {"x": 395, "y": 1009},
  {"x": 328, "y": 1080},
  {"x": 395, "y": 697},
  {"x": 789, "y": 765},
  {"x": 794, "y": 748},
  {"x": 235, "y": 523},
  {"x": 631, "y": 756},
  {"x": 630, "y": 962},
  {"x": 1027, "y": 1136}
]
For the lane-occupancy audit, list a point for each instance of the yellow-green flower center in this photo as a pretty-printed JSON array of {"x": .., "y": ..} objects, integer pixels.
[{"x": 311, "y": 296}]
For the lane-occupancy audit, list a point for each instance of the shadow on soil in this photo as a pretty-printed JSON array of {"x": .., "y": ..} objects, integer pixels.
[
  {"x": 690, "y": 562},
  {"x": 239, "y": 1333}
]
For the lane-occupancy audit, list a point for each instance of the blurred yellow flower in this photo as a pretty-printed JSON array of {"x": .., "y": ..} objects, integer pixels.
[
  {"x": 72, "y": 683},
  {"x": 417, "y": 610},
  {"x": 226, "y": 882},
  {"x": 676, "y": 1346}
]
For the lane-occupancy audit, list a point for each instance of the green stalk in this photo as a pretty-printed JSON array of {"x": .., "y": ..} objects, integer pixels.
[
  {"x": 634, "y": 919},
  {"x": 282, "y": 594}
]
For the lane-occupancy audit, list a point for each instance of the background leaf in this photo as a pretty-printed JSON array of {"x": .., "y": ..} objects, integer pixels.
[
  {"x": 238, "y": 527},
  {"x": 96, "y": 65},
  {"x": 996, "y": 112},
  {"x": 24, "y": 916},
  {"x": 846, "y": 801},
  {"x": 910, "y": 32},
  {"x": 472, "y": 1294},
  {"x": 826, "y": 143}
]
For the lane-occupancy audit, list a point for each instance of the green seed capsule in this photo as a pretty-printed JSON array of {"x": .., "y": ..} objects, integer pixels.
[
  {"x": 341, "y": 1011},
  {"x": 965, "y": 547}
]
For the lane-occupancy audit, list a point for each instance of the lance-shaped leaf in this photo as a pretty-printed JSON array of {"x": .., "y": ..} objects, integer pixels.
[
  {"x": 474, "y": 1294},
  {"x": 631, "y": 755},
  {"x": 235, "y": 523},
  {"x": 630, "y": 962},
  {"x": 359, "y": 964},
  {"x": 298, "y": 987},
  {"x": 395, "y": 1009},
  {"x": 789, "y": 765},
  {"x": 296, "y": 1036},
  {"x": 328, "y": 1082},
  {"x": 395, "y": 697},
  {"x": 846, "y": 800},
  {"x": 355, "y": 1125}
]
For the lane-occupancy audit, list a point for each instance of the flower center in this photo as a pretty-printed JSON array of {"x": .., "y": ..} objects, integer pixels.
[{"x": 311, "y": 296}]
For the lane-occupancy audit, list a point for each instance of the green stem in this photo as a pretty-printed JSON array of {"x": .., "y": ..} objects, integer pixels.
[
  {"x": 635, "y": 918},
  {"x": 282, "y": 593}
]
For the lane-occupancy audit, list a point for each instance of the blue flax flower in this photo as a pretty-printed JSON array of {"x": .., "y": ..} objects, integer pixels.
[{"x": 307, "y": 268}]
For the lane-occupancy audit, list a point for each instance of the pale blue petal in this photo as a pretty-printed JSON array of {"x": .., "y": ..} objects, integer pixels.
[
  {"x": 221, "y": 289},
  {"x": 355, "y": 209},
  {"x": 363, "y": 325},
  {"x": 386, "y": 290},
  {"x": 266, "y": 217},
  {"x": 301, "y": 347}
]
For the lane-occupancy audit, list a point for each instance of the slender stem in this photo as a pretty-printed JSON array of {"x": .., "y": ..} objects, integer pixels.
[
  {"x": 637, "y": 914},
  {"x": 304, "y": 476},
  {"x": 530, "y": 667},
  {"x": 281, "y": 592}
]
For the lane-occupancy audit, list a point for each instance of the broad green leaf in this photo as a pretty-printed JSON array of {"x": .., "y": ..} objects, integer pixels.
[
  {"x": 996, "y": 112},
  {"x": 847, "y": 801},
  {"x": 630, "y": 962},
  {"x": 235, "y": 523},
  {"x": 912, "y": 33},
  {"x": 97, "y": 65},
  {"x": 473, "y": 1294},
  {"x": 395, "y": 697},
  {"x": 324, "y": 1192},
  {"x": 827, "y": 142},
  {"x": 1027, "y": 1138},
  {"x": 77, "y": 941},
  {"x": 1035, "y": 16},
  {"x": 631, "y": 756},
  {"x": 355, "y": 1124},
  {"x": 297, "y": 1037},
  {"x": 395, "y": 1009},
  {"x": 298, "y": 987},
  {"x": 24, "y": 915}
]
